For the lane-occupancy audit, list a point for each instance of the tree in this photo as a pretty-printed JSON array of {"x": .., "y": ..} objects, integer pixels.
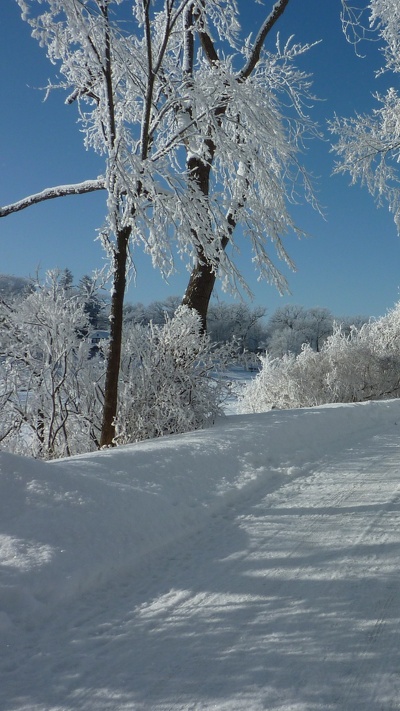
[
  {"x": 12, "y": 287},
  {"x": 239, "y": 321},
  {"x": 52, "y": 384},
  {"x": 369, "y": 145},
  {"x": 50, "y": 392},
  {"x": 94, "y": 307},
  {"x": 237, "y": 174},
  {"x": 66, "y": 279},
  {"x": 186, "y": 137},
  {"x": 291, "y": 326},
  {"x": 156, "y": 312}
]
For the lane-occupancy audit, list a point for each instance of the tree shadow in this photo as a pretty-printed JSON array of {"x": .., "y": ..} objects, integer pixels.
[{"x": 288, "y": 609}]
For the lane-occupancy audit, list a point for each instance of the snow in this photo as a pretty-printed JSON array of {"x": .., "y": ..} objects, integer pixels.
[{"x": 250, "y": 566}]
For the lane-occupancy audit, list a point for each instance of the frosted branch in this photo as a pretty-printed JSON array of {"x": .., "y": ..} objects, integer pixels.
[{"x": 87, "y": 186}]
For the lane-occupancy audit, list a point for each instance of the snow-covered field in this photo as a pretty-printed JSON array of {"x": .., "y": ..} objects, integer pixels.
[{"x": 251, "y": 566}]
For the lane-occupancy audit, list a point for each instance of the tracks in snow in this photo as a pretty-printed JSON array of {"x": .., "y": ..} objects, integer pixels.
[{"x": 287, "y": 602}]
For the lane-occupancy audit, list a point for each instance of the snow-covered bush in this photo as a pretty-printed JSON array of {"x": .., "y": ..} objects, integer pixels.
[
  {"x": 48, "y": 385},
  {"x": 350, "y": 367},
  {"x": 167, "y": 384}
]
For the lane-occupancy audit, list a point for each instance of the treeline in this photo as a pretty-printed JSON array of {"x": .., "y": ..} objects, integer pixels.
[
  {"x": 88, "y": 288},
  {"x": 287, "y": 330}
]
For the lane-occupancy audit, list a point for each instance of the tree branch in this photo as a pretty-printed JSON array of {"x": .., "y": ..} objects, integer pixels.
[
  {"x": 275, "y": 14},
  {"x": 211, "y": 53},
  {"x": 88, "y": 186},
  {"x": 206, "y": 41}
]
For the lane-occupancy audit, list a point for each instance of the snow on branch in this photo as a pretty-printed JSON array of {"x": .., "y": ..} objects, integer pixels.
[{"x": 87, "y": 186}]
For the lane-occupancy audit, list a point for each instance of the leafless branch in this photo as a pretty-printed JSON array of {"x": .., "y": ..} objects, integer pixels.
[
  {"x": 88, "y": 186},
  {"x": 267, "y": 26}
]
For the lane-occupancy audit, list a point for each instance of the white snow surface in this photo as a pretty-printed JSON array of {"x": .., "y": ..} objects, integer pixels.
[{"x": 251, "y": 566}]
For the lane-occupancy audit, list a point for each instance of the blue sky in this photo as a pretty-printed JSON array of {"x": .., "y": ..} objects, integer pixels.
[{"x": 349, "y": 263}]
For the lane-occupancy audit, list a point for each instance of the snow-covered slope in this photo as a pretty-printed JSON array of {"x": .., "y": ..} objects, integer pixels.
[{"x": 250, "y": 566}]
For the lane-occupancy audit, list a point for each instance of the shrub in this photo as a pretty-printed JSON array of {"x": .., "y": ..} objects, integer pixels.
[
  {"x": 350, "y": 367},
  {"x": 167, "y": 378}
]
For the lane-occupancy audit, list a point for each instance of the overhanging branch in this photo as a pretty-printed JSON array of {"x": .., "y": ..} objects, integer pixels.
[{"x": 87, "y": 186}]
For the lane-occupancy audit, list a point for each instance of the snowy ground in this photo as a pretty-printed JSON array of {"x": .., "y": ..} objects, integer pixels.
[{"x": 251, "y": 566}]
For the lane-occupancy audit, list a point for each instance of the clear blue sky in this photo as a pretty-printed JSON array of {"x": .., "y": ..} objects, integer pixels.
[{"x": 350, "y": 261}]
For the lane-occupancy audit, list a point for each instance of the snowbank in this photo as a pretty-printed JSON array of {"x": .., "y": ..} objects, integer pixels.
[{"x": 73, "y": 523}]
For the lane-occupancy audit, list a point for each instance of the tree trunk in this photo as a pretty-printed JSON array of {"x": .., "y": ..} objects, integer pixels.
[
  {"x": 203, "y": 277},
  {"x": 198, "y": 293},
  {"x": 114, "y": 354}
]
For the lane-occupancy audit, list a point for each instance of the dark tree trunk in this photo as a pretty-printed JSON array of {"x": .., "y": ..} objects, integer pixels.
[
  {"x": 203, "y": 276},
  {"x": 114, "y": 355},
  {"x": 198, "y": 293}
]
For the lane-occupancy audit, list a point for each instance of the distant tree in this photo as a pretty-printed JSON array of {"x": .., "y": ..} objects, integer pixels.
[
  {"x": 94, "y": 306},
  {"x": 66, "y": 279},
  {"x": 156, "y": 312},
  {"x": 368, "y": 145},
  {"x": 240, "y": 321},
  {"x": 135, "y": 313},
  {"x": 287, "y": 330},
  {"x": 288, "y": 316},
  {"x": 291, "y": 326},
  {"x": 12, "y": 286},
  {"x": 320, "y": 325}
]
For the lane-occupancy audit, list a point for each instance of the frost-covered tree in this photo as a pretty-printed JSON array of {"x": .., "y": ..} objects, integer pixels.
[
  {"x": 52, "y": 386},
  {"x": 95, "y": 307},
  {"x": 292, "y": 326},
  {"x": 156, "y": 312},
  {"x": 199, "y": 128},
  {"x": 239, "y": 321},
  {"x": 368, "y": 145},
  {"x": 50, "y": 392},
  {"x": 243, "y": 162},
  {"x": 168, "y": 382}
]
